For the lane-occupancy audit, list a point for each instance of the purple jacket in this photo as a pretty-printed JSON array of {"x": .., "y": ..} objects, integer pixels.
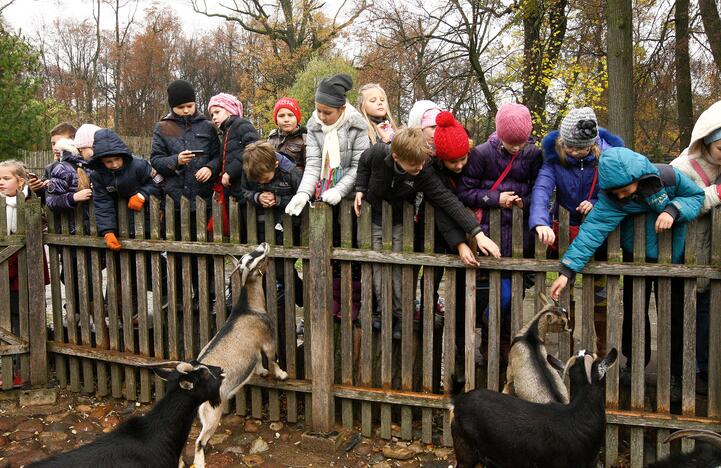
[
  {"x": 572, "y": 182},
  {"x": 485, "y": 165}
]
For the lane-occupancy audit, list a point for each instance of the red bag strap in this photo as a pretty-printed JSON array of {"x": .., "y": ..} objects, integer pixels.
[
  {"x": 504, "y": 173},
  {"x": 593, "y": 184},
  {"x": 701, "y": 173}
]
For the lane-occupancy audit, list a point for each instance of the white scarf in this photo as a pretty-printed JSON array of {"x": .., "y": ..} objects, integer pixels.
[
  {"x": 11, "y": 208},
  {"x": 331, "y": 142}
]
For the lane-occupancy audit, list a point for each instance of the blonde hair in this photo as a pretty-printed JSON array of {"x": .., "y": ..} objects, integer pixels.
[
  {"x": 372, "y": 127},
  {"x": 18, "y": 169},
  {"x": 563, "y": 157},
  {"x": 409, "y": 146},
  {"x": 259, "y": 159}
]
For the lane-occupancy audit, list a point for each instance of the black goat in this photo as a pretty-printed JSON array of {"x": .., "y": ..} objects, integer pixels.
[
  {"x": 705, "y": 455},
  {"x": 157, "y": 438},
  {"x": 503, "y": 431}
]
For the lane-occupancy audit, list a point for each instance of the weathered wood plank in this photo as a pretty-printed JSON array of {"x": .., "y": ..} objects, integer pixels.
[
  {"x": 36, "y": 294},
  {"x": 386, "y": 303},
  {"x": 141, "y": 276},
  {"x": 291, "y": 346},
  {"x": 156, "y": 274},
  {"x": 494, "y": 314},
  {"x": 366, "y": 317},
  {"x": 346, "y": 324},
  {"x": 126, "y": 294},
  {"x": 408, "y": 295}
]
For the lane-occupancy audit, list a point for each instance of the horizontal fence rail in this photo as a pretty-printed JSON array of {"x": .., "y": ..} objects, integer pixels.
[{"x": 352, "y": 357}]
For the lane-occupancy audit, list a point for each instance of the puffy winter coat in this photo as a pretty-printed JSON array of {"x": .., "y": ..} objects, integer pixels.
[
  {"x": 174, "y": 134},
  {"x": 661, "y": 188},
  {"x": 571, "y": 181},
  {"x": 353, "y": 140},
  {"x": 236, "y": 134},
  {"x": 62, "y": 185},
  {"x": 290, "y": 144},
  {"x": 110, "y": 186},
  {"x": 485, "y": 164},
  {"x": 284, "y": 185},
  {"x": 379, "y": 178},
  {"x": 707, "y": 122}
]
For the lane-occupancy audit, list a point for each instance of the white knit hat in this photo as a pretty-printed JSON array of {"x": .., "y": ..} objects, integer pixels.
[
  {"x": 579, "y": 128},
  {"x": 416, "y": 114},
  {"x": 85, "y": 136}
]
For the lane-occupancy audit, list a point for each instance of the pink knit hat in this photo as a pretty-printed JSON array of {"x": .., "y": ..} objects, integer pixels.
[
  {"x": 429, "y": 117},
  {"x": 85, "y": 136},
  {"x": 513, "y": 123},
  {"x": 227, "y": 102}
]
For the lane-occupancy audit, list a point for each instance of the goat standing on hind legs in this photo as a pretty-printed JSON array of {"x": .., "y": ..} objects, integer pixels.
[
  {"x": 239, "y": 345},
  {"x": 530, "y": 374}
]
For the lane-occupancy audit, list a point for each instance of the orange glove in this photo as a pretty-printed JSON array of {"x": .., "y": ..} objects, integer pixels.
[
  {"x": 136, "y": 202},
  {"x": 112, "y": 242}
]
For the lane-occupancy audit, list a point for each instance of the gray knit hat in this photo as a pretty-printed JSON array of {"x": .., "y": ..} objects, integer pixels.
[
  {"x": 579, "y": 128},
  {"x": 331, "y": 91}
]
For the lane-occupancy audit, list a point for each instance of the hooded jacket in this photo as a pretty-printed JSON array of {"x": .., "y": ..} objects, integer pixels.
[
  {"x": 63, "y": 178},
  {"x": 292, "y": 144},
  {"x": 110, "y": 186},
  {"x": 707, "y": 122},
  {"x": 486, "y": 163},
  {"x": 236, "y": 134},
  {"x": 174, "y": 134},
  {"x": 571, "y": 181},
  {"x": 284, "y": 185},
  {"x": 353, "y": 140},
  {"x": 661, "y": 189}
]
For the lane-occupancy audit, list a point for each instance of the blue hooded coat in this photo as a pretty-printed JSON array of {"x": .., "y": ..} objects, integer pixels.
[
  {"x": 571, "y": 181},
  {"x": 110, "y": 186},
  {"x": 661, "y": 188}
]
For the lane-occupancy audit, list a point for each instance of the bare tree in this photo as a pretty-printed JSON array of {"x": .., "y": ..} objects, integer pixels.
[
  {"x": 712, "y": 26},
  {"x": 684, "y": 98},
  {"x": 619, "y": 19}
]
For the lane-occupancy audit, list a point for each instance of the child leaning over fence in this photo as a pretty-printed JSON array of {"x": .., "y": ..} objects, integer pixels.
[
  {"x": 701, "y": 162},
  {"x": 395, "y": 174},
  {"x": 373, "y": 104},
  {"x": 337, "y": 135},
  {"x": 630, "y": 185},
  {"x": 59, "y": 132},
  {"x": 289, "y": 137},
  {"x": 13, "y": 184},
  {"x": 570, "y": 170},
  {"x": 117, "y": 175}
]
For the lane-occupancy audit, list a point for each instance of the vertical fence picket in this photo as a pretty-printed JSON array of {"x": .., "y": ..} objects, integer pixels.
[
  {"x": 55, "y": 292},
  {"x": 663, "y": 342},
  {"x": 271, "y": 306},
  {"x": 99, "y": 308},
  {"x": 141, "y": 276},
  {"x": 241, "y": 404},
  {"x": 688, "y": 382},
  {"x": 638, "y": 339},
  {"x": 203, "y": 293},
  {"x": 449, "y": 346},
  {"x": 159, "y": 302},
  {"x": 308, "y": 324},
  {"x": 126, "y": 288},
  {"x": 84, "y": 302},
  {"x": 408, "y": 294},
  {"x": 172, "y": 314},
  {"x": 5, "y": 320},
  {"x": 116, "y": 380},
  {"x": 517, "y": 280},
  {"x": 346, "y": 309},
  {"x": 493, "y": 362},
  {"x": 386, "y": 301},
  {"x": 567, "y": 299},
  {"x": 291, "y": 341},
  {"x": 23, "y": 288},
  {"x": 186, "y": 282},
  {"x": 71, "y": 302},
  {"x": 366, "y": 317},
  {"x": 428, "y": 319},
  {"x": 714, "y": 352},
  {"x": 614, "y": 321}
]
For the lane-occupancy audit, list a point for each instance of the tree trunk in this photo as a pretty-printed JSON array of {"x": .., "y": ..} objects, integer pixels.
[
  {"x": 619, "y": 18},
  {"x": 684, "y": 103},
  {"x": 712, "y": 26}
]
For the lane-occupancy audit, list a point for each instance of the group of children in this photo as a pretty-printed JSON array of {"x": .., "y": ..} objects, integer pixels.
[{"x": 362, "y": 154}]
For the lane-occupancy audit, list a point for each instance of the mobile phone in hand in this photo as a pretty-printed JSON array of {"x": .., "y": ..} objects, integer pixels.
[
  {"x": 197, "y": 152},
  {"x": 32, "y": 175}
]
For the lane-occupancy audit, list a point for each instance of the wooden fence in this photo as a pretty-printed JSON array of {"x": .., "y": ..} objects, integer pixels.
[{"x": 340, "y": 370}]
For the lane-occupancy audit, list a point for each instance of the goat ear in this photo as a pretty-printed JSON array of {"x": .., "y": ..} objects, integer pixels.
[
  {"x": 607, "y": 362},
  {"x": 555, "y": 362},
  {"x": 162, "y": 372}
]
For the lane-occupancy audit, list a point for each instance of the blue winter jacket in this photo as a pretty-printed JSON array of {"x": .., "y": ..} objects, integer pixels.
[
  {"x": 174, "y": 134},
  {"x": 661, "y": 188},
  {"x": 571, "y": 181},
  {"x": 111, "y": 186}
]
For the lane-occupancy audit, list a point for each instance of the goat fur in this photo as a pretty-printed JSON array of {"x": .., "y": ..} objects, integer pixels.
[
  {"x": 239, "y": 345},
  {"x": 157, "y": 438},
  {"x": 503, "y": 431},
  {"x": 706, "y": 454},
  {"x": 530, "y": 376}
]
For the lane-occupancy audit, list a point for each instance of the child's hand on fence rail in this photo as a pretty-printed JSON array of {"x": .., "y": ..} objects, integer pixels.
[
  {"x": 558, "y": 286},
  {"x": 663, "y": 222},
  {"x": 203, "y": 175},
  {"x": 267, "y": 199},
  {"x": 487, "y": 246},
  {"x": 112, "y": 242},
  {"x": 83, "y": 195},
  {"x": 225, "y": 180},
  {"x": 136, "y": 202},
  {"x": 358, "y": 202},
  {"x": 331, "y": 196},
  {"x": 546, "y": 235},
  {"x": 297, "y": 203},
  {"x": 467, "y": 255}
]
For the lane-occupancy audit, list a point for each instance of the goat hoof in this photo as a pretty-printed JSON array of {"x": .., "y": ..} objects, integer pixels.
[
  {"x": 282, "y": 375},
  {"x": 262, "y": 372}
]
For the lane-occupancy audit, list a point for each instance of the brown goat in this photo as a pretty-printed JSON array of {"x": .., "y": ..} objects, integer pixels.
[{"x": 530, "y": 374}]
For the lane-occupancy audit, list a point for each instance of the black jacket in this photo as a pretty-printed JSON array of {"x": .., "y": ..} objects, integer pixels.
[
  {"x": 111, "y": 186},
  {"x": 236, "y": 134},
  {"x": 451, "y": 232},
  {"x": 284, "y": 185},
  {"x": 174, "y": 134},
  {"x": 379, "y": 178}
]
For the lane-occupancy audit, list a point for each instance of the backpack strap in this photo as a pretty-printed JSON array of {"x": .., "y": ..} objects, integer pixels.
[
  {"x": 701, "y": 173},
  {"x": 667, "y": 174}
]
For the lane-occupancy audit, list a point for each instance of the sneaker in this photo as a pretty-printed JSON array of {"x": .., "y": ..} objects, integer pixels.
[
  {"x": 676, "y": 389},
  {"x": 397, "y": 331}
]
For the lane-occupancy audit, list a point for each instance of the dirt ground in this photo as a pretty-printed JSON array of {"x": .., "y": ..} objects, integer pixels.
[{"x": 32, "y": 430}]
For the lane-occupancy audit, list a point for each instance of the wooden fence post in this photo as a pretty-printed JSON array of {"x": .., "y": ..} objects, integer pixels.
[
  {"x": 320, "y": 282},
  {"x": 36, "y": 293}
]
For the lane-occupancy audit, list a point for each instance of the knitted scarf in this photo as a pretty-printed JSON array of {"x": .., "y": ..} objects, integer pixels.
[{"x": 330, "y": 170}]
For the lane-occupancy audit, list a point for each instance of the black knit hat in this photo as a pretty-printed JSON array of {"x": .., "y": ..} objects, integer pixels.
[
  {"x": 180, "y": 92},
  {"x": 331, "y": 91}
]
